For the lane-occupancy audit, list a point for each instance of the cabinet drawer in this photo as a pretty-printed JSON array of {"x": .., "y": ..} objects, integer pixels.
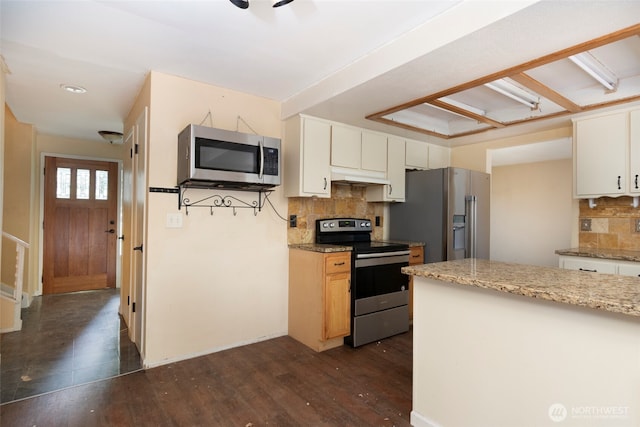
[
  {"x": 629, "y": 270},
  {"x": 589, "y": 265},
  {"x": 337, "y": 263},
  {"x": 416, "y": 255}
]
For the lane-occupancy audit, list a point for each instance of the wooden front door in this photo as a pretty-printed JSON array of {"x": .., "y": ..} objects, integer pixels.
[{"x": 80, "y": 225}]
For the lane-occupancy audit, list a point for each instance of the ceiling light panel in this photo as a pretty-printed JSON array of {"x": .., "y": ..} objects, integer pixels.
[
  {"x": 498, "y": 107},
  {"x": 596, "y": 69},
  {"x": 549, "y": 86},
  {"x": 436, "y": 120}
]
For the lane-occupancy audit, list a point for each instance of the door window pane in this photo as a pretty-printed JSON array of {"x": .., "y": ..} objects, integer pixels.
[
  {"x": 102, "y": 185},
  {"x": 63, "y": 183},
  {"x": 83, "y": 177}
]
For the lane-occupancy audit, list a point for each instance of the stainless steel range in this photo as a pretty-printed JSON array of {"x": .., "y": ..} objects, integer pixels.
[{"x": 379, "y": 290}]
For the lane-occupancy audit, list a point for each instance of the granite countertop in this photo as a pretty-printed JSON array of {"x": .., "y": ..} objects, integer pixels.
[
  {"x": 612, "y": 254},
  {"x": 320, "y": 247},
  {"x": 327, "y": 248},
  {"x": 609, "y": 292}
]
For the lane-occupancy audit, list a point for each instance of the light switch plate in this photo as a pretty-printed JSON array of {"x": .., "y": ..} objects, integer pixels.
[
  {"x": 637, "y": 225},
  {"x": 585, "y": 224},
  {"x": 174, "y": 220}
]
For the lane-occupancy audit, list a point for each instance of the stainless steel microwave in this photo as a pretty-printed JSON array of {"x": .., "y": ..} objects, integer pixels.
[{"x": 210, "y": 157}]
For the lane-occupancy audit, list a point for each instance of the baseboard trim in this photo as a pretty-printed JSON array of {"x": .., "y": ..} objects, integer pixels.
[{"x": 419, "y": 420}]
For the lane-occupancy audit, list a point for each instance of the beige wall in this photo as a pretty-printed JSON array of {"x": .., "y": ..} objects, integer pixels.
[
  {"x": 221, "y": 280},
  {"x": 17, "y": 197},
  {"x": 532, "y": 211},
  {"x": 475, "y": 156}
]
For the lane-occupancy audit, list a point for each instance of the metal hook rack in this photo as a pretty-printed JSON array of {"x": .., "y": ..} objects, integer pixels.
[{"x": 220, "y": 201}]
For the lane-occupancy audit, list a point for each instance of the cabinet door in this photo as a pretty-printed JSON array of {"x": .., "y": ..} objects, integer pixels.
[
  {"x": 601, "y": 155},
  {"x": 337, "y": 305},
  {"x": 586, "y": 264},
  {"x": 395, "y": 169},
  {"x": 629, "y": 269},
  {"x": 417, "y": 155},
  {"x": 438, "y": 157},
  {"x": 346, "y": 145},
  {"x": 634, "y": 152},
  {"x": 374, "y": 152},
  {"x": 316, "y": 172}
]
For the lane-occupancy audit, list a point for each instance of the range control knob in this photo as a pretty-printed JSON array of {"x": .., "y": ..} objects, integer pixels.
[
  {"x": 363, "y": 224},
  {"x": 368, "y": 224},
  {"x": 331, "y": 225},
  {"x": 325, "y": 224}
]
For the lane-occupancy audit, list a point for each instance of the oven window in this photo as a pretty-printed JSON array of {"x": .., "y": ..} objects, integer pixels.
[
  {"x": 380, "y": 279},
  {"x": 227, "y": 156}
]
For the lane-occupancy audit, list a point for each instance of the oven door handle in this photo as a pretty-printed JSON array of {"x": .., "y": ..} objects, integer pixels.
[{"x": 382, "y": 254}]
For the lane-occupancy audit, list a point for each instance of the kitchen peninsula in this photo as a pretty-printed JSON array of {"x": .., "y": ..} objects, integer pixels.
[{"x": 499, "y": 344}]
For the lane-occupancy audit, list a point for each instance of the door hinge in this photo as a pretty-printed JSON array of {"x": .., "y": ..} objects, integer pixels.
[
  {"x": 136, "y": 148},
  {"x": 133, "y": 307}
]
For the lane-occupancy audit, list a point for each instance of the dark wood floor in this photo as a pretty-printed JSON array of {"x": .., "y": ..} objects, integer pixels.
[
  {"x": 276, "y": 382},
  {"x": 66, "y": 340}
]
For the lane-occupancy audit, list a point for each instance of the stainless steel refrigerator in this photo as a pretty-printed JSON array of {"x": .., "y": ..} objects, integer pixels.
[{"x": 448, "y": 210}]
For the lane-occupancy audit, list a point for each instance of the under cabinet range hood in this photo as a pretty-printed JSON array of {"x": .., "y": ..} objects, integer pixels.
[
  {"x": 358, "y": 176},
  {"x": 218, "y": 158}
]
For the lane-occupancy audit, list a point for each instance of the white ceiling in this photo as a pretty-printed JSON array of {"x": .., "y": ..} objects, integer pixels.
[{"x": 337, "y": 59}]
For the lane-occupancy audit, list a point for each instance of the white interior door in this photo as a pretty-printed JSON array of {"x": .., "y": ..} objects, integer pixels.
[
  {"x": 127, "y": 228},
  {"x": 138, "y": 236}
]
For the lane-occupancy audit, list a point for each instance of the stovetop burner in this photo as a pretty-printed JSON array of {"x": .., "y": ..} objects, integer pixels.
[{"x": 355, "y": 232}]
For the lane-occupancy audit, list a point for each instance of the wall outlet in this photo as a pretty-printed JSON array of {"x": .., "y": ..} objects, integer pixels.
[
  {"x": 637, "y": 225},
  {"x": 377, "y": 221},
  {"x": 174, "y": 220},
  {"x": 293, "y": 221},
  {"x": 585, "y": 224}
]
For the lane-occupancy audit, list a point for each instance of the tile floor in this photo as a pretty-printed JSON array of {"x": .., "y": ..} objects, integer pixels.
[{"x": 66, "y": 340}]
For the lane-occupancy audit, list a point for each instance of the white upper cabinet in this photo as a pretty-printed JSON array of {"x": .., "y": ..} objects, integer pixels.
[
  {"x": 634, "y": 152},
  {"x": 307, "y": 171},
  {"x": 601, "y": 155},
  {"x": 417, "y": 155},
  {"x": 358, "y": 149},
  {"x": 422, "y": 155},
  {"x": 439, "y": 157},
  {"x": 346, "y": 146},
  {"x": 395, "y": 190},
  {"x": 374, "y": 151}
]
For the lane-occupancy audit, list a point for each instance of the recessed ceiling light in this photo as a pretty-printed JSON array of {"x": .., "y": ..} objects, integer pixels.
[{"x": 73, "y": 88}]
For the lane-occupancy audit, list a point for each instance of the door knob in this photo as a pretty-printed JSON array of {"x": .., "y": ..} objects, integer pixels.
[
  {"x": 111, "y": 230},
  {"x": 138, "y": 248}
]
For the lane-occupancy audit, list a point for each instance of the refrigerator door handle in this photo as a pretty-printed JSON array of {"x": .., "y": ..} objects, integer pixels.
[{"x": 471, "y": 203}]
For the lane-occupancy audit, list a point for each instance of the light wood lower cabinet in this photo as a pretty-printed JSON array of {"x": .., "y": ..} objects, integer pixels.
[
  {"x": 416, "y": 256},
  {"x": 319, "y": 298}
]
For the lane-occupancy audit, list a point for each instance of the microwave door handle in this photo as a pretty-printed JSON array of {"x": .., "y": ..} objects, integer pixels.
[{"x": 260, "y": 144}]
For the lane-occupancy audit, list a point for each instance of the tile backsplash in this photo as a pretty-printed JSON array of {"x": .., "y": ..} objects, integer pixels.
[
  {"x": 346, "y": 201},
  {"x": 612, "y": 224}
]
